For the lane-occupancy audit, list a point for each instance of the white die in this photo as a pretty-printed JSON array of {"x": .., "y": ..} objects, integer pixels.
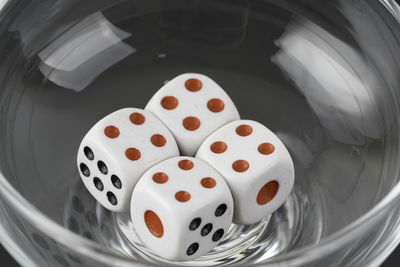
[
  {"x": 181, "y": 208},
  {"x": 255, "y": 164},
  {"x": 192, "y": 106},
  {"x": 117, "y": 150}
]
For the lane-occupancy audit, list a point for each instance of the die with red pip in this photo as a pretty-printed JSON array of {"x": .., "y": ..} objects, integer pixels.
[
  {"x": 255, "y": 164},
  {"x": 192, "y": 106},
  {"x": 181, "y": 208},
  {"x": 117, "y": 150}
]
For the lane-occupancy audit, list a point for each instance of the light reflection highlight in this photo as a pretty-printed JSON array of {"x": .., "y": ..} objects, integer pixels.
[
  {"x": 83, "y": 52},
  {"x": 340, "y": 85}
]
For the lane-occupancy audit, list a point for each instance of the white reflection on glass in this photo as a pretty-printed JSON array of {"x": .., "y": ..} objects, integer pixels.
[
  {"x": 2, "y": 3},
  {"x": 341, "y": 86},
  {"x": 301, "y": 147},
  {"x": 83, "y": 52}
]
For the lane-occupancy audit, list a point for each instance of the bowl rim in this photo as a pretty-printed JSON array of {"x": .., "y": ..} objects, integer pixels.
[{"x": 85, "y": 247}]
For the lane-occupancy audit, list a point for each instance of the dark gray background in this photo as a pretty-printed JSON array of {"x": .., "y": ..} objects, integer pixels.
[{"x": 7, "y": 261}]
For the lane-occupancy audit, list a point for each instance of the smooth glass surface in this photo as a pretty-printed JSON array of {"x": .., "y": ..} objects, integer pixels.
[{"x": 323, "y": 75}]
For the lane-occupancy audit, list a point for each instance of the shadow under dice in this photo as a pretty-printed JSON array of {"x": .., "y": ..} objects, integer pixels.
[
  {"x": 117, "y": 150},
  {"x": 192, "y": 106},
  {"x": 181, "y": 208},
  {"x": 255, "y": 164}
]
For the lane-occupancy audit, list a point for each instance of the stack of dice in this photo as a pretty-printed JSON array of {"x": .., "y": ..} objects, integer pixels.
[{"x": 230, "y": 170}]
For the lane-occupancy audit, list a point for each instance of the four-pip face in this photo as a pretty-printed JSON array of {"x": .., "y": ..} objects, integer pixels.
[{"x": 118, "y": 150}]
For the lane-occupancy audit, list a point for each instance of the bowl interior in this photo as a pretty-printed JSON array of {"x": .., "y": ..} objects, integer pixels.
[{"x": 311, "y": 72}]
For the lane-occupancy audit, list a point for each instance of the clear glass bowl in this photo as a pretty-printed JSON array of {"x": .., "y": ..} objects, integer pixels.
[{"x": 323, "y": 75}]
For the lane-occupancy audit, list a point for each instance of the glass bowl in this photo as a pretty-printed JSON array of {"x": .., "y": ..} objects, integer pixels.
[{"x": 323, "y": 75}]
